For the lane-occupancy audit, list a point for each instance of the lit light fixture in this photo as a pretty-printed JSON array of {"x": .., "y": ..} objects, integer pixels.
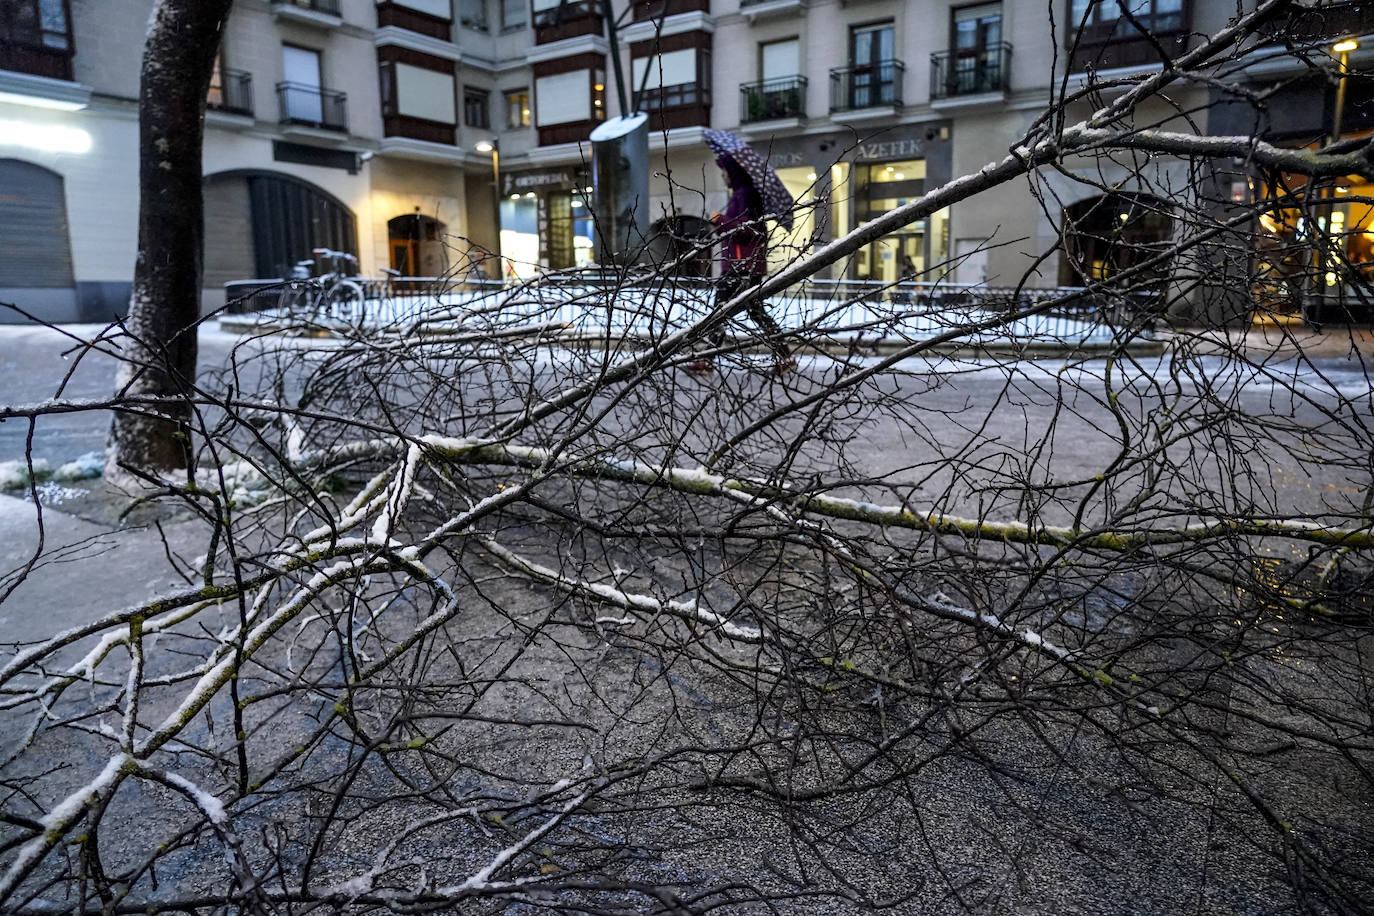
[
  {"x": 1343, "y": 189},
  {"x": 588, "y": 189},
  {"x": 40, "y": 101},
  {"x": 529, "y": 193},
  {"x": 48, "y": 138},
  {"x": 485, "y": 146},
  {"x": 810, "y": 176},
  {"x": 599, "y": 87},
  {"x": 597, "y": 103},
  {"x": 889, "y": 168},
  {"x": 1124, "y": 216},
  {"x": 899, "y": 176},
  {"x": 1345, "y": 47}
]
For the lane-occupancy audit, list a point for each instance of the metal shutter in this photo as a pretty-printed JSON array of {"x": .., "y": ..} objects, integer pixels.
[
  {"x": 228, "y": 231},
  {"x": 35, "y": 249},
  {"x": 290, "y": 218}
]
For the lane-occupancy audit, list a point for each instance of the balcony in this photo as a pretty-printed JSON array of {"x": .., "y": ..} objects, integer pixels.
[
  {"x": 37, "y": 60},
  {"x": 1321, "y": 21},
  {"x": 671, "y": 107},
  {"x": 36, "y": 38},
  {"x": 1113, "y": 43},
  {"x": 231, "y": 91},
  {"x": 868, "y": 86},
  {"x": 325, "y": 13},
  {"x": 573, "y": 19},
  {"x": 403, "y": 17},
  {"x": 310, "y": 106},
  {"x": 956, "y": 74},
  {"x": 769, "y": 100},
  {"x": 399, "y": 125},
  {"x": 653, "y": 9},
  {"x": 572, "y": 132}
]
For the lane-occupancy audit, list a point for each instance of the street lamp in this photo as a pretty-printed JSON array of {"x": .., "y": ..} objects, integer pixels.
[
  {"x": 493, "y": 146},
  {"x": 1343, "y": 48},
  {"x": 1335, "y": 220}
]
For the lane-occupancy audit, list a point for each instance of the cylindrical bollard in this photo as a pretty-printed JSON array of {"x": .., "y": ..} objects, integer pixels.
[{"x": 620, "y": 178}]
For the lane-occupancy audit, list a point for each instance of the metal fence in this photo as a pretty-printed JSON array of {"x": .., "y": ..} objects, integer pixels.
[{"x": 586, "y": 304}]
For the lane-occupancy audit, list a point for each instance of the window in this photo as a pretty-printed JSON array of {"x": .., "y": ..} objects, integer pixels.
[
  {"x": 672, "y": 72},
  {"x": 563, "y": 98},
  {"x": 302, "y": 96},
  {"x": 475, "y": 108},
  {"x": 473, "y": 14},
  {"x": 874, "y": 76},
  {"x": 513, "y": 14},
  {"x": 569, "y": 96},
  {"x": 35, "y": 37},
  {"x": 976, "y": 42},
  {"x": 779, "y": 59},
  {"x": 680, "y": 77},
  {"x": 518, "y": 108}
]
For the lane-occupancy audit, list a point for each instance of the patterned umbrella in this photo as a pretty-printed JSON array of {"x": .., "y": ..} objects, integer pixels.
[{"x": 777, "y": 203}]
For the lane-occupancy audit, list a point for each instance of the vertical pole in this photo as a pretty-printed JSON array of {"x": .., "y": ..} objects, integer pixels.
[
  {"x": 1339, "y": 111},
  {"x": 1328, "y": 274},
  {"x": 614, "y": 45},
  {"x": 496, "y": 207}
]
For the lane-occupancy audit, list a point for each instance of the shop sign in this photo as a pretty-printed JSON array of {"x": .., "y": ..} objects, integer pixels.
[
  {"x": 787, "y": 160},
  {"x": 556, "y": 179},
  {"x": 890, "y": 149},
  {"x": 804, "y": 154}
]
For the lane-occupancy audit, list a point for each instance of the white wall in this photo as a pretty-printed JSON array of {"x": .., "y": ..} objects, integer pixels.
[{"x": 101, "y": 184}]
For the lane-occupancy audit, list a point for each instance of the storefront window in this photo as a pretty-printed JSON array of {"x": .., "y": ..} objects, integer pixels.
[
  {"x": 520, "y": 234},
  {"x": 786, "y": 246},
  {"x": 1323, "y": 245},
  {"x": 878, "y": 189}
]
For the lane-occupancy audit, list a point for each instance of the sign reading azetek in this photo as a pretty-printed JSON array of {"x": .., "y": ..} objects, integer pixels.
[
  {"x": 871, "y": 151},
  {"x": 890, "y": 149}
]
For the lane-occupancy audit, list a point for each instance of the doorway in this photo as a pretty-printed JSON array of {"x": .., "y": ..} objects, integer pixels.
[{"x": 416, "y": 245}]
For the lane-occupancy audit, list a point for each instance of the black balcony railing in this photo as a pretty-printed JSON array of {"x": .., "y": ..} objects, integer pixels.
[
  {"x": 311, "y": 106},
  {"x": 867, "y": 86},
  {"x": 675, "y": 96},
  {"x": 231, "y": 91},
  {"x": 328, "y": 7},
  {"x": 956, "y": 73},
  {"x": 781, "y": 97}
]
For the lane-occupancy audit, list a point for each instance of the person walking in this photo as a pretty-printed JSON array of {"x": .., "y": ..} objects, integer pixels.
[{"x": 744, "y": 261}]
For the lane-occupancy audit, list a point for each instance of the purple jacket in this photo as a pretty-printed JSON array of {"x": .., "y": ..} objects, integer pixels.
[{"x": 743, "y": 249}]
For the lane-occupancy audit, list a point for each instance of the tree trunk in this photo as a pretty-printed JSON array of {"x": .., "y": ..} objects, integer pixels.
[{"x": 165, "y": 306}]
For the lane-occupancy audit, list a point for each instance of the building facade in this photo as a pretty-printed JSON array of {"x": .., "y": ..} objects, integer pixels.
[{"x": 422, "y": 134}]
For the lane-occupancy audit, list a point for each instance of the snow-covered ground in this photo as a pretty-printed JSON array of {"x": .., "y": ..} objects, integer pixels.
[{"x": 871, "y": 313}]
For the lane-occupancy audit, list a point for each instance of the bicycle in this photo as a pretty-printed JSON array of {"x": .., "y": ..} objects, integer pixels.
[
  {"x": 297, "y": 292},
  {"x": 341, "y": 297},
  {"x": 331, "y": 295}
]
